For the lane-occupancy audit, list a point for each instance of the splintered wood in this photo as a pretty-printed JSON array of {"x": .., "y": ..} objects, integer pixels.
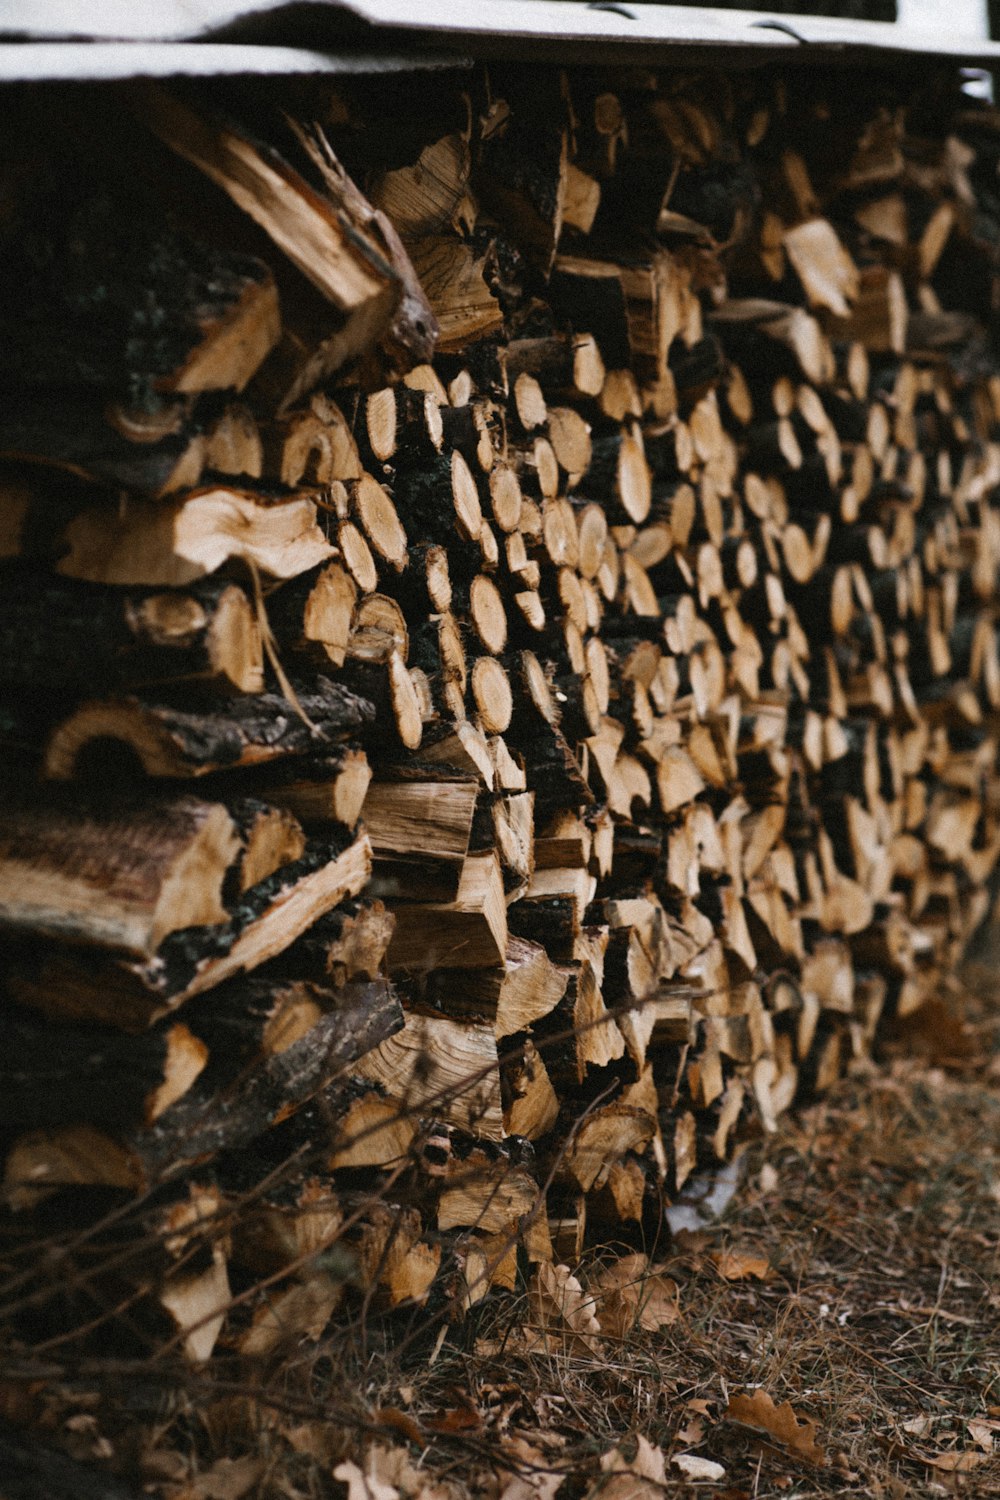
[{"x": 500, "y": 658}]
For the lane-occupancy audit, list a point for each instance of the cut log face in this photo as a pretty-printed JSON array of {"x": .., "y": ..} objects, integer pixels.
[
  {"x": 443, "y": 1068},
  {"x": 271, "y": 837},
  {"x": 85, "y": 636},
  {"x": 174, "y": 542},
  {"x": 72, "y": 1075},
  {"x": 420, "y": 824},
  {"x": 194, "y": 317},
  {"x": 453, "y": 279},
  {"x": 378, "y": 519},
  {"x": 467, "y": 933},
  {"x": 349, "y": 941},
  {"x": 320, "y": 789},
  {"x": 824, "y": 267},
  {"x": 373, "y": 1132}
]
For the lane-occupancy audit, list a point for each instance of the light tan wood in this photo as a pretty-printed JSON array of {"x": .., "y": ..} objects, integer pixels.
[
  {"x": 173, "y": 542},
  {"x": 420, "y": 819},
  {"x": 378, "y": 519},
  {"x": 302, "y": 223},
  {"x": 467, "y": 933},
  {"x": 443, "y": 1068},
  {"x": 649, "y": 878},
  {"x": 827, "y": 273},
  {"x": 491, "y": 691}
]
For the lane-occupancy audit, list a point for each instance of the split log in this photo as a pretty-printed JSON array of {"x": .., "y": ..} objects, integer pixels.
[
  {"x": 440, "y": 1067},
  {"x": 317, "y": 789},
  {"x": 348, "y": 942},
  {"x": 121, "y": 877},
  {"x": 267, "y": 920},
  {"x": 82, "y": 637},
  {"x": 469, "y": 932},
  {"x": 419, "y": 832},
  {"x": 67, "y": 1075},
  {"x": 164, "y": 544},
  {"x": 344, "y": 264},
  {"x": 527, "y": 987},
  {"x": 225, "y": 1109},
  {"x": 86, "y": 305},
  {"x": 270, "y": 836}
]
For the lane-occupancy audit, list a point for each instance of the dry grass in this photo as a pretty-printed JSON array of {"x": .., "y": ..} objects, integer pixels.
[{"x": 877, "y": 1212}]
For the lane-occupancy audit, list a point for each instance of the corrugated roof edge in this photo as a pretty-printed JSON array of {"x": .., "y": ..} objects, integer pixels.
[
  {"x": 66, "y": 39},
  {"x": 95, "y": 62},
  {"x": 619, "y": 24}
]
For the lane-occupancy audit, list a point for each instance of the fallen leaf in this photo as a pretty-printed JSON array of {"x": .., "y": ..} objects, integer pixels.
[
  {"x": 229, "y": 1478},
  {"x": 361, "y": 1486},
  {"x": 400, "y": 1422},
  {"x": 457, "y": 1419},
  {"x": 779, "y": 1423},
  {"x": 648, "y": 1463},
  {"x": 982, "y": 1433},
  {"x": 640, "y": 1478},
  {"x": 631, "y": 1293},
  {"x": 389, "y": 1474},
  {"x": 919, "y": 1426},
  {"x": 768, "y": 1178},
  {"x": 537, "y": 1480},
  {"x": 697, "y": 1468},
  {"x": 740, "y": 1265},
  {"x": 563, "y": 1310},
  {"x": 957, "y": 1463}
]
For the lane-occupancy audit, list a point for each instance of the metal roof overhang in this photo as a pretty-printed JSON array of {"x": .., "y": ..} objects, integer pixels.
[{"x": 76, "y": 39}]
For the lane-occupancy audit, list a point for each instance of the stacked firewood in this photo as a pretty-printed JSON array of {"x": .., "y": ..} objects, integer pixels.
[{"x": 500, "y": 661}]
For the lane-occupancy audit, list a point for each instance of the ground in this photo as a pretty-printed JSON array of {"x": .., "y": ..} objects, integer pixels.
[
  {"x": 855, "y": 1276},
  {"x": 836, "y": 1332}
]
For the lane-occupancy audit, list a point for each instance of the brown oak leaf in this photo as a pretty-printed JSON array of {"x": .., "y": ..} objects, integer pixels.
[
  {"x": 563, "y": 1312},
  {"x": 780, "y": 1424},
  {"x": 640, "y": 1478},
  {"x": 957, "y": 1463},
  {"x": 228, "y": 1479},
  {"x": 740, "y": 1265},
  {"x": 629, "y": 1293}
]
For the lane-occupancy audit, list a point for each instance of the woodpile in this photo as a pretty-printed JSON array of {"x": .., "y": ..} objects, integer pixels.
[{"x": 500, "y": 661}]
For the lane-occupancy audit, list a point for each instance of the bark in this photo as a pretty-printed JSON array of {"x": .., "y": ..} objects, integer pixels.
[{"x": 175, "y": 742}]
